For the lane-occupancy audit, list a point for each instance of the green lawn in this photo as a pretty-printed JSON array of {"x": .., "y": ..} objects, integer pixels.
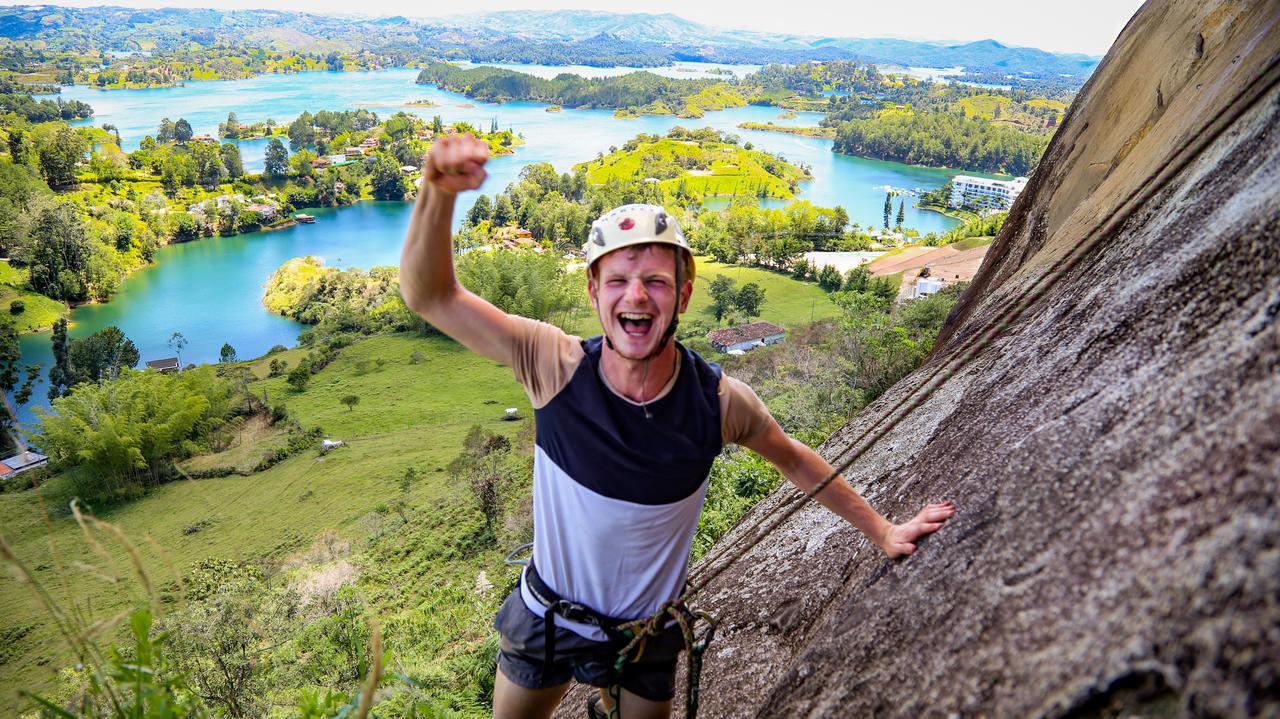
[{"x": 39, "y": 312}]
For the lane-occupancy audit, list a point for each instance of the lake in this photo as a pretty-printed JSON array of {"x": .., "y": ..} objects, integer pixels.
[{"x": 211, "y": 290}]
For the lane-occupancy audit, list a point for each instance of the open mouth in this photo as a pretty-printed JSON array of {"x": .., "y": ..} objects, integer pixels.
[{"x": 635, "y": 324}]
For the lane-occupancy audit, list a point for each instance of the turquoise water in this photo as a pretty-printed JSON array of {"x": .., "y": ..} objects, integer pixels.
[{"x": 211, "y": 290}]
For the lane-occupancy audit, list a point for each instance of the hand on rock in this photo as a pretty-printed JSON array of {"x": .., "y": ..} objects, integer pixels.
[
  {"x": 900, "y": 540},
  {"x": 456, "y": 163}
]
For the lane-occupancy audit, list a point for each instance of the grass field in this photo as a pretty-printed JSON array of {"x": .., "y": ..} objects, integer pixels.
[
  {"x": 415, "y": 568},
  {"x": 39, "y": 313}
]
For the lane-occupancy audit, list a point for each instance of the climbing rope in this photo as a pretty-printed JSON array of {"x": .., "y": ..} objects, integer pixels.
[{"x": 1006, "y": 314}]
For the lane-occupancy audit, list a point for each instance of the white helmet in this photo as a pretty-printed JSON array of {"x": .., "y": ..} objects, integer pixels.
[{"x": 636, "y": 225}]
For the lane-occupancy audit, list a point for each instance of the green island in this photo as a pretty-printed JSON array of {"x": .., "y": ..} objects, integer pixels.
[
  {"x": 696, "y": 164},
  {"x": 636, "y": 93},
  {"x": 824, "y": 132}
]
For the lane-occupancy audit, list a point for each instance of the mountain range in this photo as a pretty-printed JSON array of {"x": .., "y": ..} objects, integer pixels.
[{"x": 554, "y": 37}]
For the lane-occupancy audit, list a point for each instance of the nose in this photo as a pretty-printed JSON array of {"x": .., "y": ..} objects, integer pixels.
[{"x": 636, "y": 292}]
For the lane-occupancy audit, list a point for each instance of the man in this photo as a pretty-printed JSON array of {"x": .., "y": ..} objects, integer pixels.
[{"x": 628, "y": 426}]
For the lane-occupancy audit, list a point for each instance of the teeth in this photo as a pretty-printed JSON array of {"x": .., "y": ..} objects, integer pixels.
[{"x": 635, "y": 316}]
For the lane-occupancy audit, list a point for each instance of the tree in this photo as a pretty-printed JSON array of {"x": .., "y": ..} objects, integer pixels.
[
  {"x": 888, "y": 208},
  {"x": 437, "y": 125},
  {"x": 901, "y": 211},
  {"x": 178, "y": 171},
  {"x": 277, "y": 159},
  {"x": 480, "y": 211},
  {"x": 749, "y": 300},
  {"x": 10, "y": 356},
  {"x": 182, "y": 130},
  {"x": 19, "y": 147},
  {"x": 724, "y": 295},
  {"x": 350, "y": 400},
  {"x": 829, "y": 278},
  {"x": 101, "y": 355},
  {"x": 166, "y": 132},
  {"x": 302, "y": 133},
  {"x": 207, "y": 158},
  {"x": 503, "y": 211},
  {"x": 59, "y": 153},
  {"x": 228, "y": 353},
  {"x": 58, "y": 253},
  {"x": 177, "y": 341},
  {"x": 299, "y": 376},
  {"x": 385, "y": 180},
  {"x": 60, "y": 372},
  {"x": 230, "y": 128},
  {"x": 857, "y": 279},
  {"x": 231, "y": 159}
]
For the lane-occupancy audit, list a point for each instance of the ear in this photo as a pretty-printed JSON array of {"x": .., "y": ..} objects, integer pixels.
[
  {"x": 686, "y": 293},
  {"x": 592, "y": 290}
]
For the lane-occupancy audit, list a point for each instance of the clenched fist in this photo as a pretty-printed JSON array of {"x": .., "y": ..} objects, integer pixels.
[{"x": 456, "y": 163}]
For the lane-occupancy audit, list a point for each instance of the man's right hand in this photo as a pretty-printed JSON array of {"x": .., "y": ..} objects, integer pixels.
[{"x": 456, "y": 163}]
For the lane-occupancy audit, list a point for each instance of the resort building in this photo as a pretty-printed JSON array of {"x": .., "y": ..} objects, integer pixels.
[
  {"x": 744, "y": 337},
  {"x": 969, "y": 191}
]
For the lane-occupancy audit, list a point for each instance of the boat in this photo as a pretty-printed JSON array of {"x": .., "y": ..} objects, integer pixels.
[{"x": 304, "y": 218}]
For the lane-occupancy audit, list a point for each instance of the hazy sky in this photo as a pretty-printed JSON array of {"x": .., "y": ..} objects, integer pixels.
[{"x": 1087, "y": 26}]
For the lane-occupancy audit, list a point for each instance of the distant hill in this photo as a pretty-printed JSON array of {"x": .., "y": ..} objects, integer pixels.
[
  {"x": 674, "y": 32},
  {"x": 550, "y": 37}
]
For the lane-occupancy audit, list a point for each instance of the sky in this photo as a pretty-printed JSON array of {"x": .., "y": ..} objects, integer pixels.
[{"x": 1084, "y": 26}]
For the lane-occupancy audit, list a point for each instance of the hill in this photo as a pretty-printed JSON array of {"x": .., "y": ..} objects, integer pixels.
[
  {"x": 552, "y": 37},
  {"x": 685, "y": 167}
]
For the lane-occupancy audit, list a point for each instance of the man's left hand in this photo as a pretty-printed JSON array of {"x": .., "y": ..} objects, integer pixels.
[{"x": 900, "y": 540}]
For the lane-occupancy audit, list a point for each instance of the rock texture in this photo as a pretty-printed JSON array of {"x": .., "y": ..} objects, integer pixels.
[{"x": 1114, "y": 451}]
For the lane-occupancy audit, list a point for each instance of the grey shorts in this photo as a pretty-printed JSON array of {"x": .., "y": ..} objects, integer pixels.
[{"x": 590, "y": 662}]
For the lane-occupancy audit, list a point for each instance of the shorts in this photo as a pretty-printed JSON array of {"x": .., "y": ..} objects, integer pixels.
[{"x": 591, "y": 662}]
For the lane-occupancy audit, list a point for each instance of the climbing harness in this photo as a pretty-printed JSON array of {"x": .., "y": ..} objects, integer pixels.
[{"x": 632, "y": 635}]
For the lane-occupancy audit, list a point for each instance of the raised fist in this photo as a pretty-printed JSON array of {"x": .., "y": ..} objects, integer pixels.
[{"x": 456, "y": 163}]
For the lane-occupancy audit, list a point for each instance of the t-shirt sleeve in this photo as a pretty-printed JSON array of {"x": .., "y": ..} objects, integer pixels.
[
  {"x": 742, "y": 414},
  {"x": 543, "y": 358}
]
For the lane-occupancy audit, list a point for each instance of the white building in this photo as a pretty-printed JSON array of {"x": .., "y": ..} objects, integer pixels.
[
  {"x": 981, "y": 192},
  {"x": 926, "y": 286}
]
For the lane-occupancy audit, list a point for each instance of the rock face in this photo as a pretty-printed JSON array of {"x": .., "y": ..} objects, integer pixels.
[{"x": 1114, "y": 452}]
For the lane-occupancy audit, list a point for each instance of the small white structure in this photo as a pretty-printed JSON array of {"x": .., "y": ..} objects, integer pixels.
[
  {"x": 745, "y": 337},
  {"x": 329, "y": 444},
  {"x": 22, "y": 462},
  {"x": 926, "y": 286},
  {"x": 980, "y": 192}
]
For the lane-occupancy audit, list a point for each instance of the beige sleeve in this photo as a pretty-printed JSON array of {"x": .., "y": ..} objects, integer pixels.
[
  {"x": 742, "y": 414},
  {"x": 543, "y": 358}
]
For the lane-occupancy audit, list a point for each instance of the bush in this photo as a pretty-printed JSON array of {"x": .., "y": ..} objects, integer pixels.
[
  {"x": 299, "y": 376},
  {"x": 17, "y": 307}
]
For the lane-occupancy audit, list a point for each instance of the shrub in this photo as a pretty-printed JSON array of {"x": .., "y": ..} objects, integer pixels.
[
  {"x": 17, "y": 307},
  {"x": 299, "y": 376}
]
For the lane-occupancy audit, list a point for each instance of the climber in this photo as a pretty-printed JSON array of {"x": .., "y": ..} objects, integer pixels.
[{"x": 628, "y": 425}]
